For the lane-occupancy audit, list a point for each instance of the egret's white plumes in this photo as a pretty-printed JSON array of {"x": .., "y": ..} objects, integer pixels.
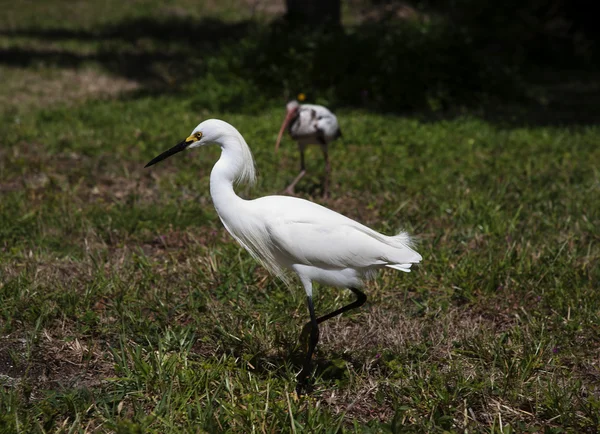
[
  {"x": 235, "y": 148},
  {"x": 290, "y": 234}
]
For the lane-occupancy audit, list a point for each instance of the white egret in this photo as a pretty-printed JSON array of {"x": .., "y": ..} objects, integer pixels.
[
  {"x": 290, "y": 234},
  {"x": 309, "y": 124}
]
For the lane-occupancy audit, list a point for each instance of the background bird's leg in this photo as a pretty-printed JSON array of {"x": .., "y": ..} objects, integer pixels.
[
  {"x": 314, "y": 339},
  {"x": 290, "y": 188},
  {"x": 327, "y": 172}
]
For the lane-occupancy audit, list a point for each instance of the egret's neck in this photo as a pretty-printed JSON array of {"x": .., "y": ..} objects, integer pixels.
[{"x": 225, "y": 173}]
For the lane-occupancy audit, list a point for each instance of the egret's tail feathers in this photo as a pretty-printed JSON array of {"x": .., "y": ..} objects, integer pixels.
[
  {"x": 401, "y": 267},
  {"x": 402, "y": 256},
  {"x": 403, "y": 239}
]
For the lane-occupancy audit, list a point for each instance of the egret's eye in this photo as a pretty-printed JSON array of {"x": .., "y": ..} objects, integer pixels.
[{"x": 194, "y": 137}]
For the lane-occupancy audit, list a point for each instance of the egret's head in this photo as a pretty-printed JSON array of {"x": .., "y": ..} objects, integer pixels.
[
  {"x": 215, "y": 131},
  {"x": 205, "y": 133},
  {"x": 209, "y": 131}
]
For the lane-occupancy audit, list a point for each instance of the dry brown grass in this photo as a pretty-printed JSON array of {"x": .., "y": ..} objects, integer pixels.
[
  {"x": 26, "y": 88},
  {"x": 56, "y": 361}
]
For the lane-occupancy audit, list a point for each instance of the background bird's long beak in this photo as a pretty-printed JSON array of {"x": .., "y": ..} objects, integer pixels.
[
  {"x": 286, "y": 121},
  {"x": 175, "y": 149}
]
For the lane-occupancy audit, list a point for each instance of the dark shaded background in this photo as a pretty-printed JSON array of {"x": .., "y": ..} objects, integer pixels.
[{"x": 514, "y": 61}]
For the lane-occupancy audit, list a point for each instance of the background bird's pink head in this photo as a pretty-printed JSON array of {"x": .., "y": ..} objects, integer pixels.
[{"x": 291, "y": 110}]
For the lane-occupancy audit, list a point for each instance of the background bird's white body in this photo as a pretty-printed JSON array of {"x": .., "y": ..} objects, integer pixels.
[
  {"x": 314, "y": 124},
  {"x": 310, "y": 124}
]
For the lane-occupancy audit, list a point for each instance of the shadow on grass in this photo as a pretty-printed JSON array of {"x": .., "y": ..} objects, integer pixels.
[
  {"x": 161, "y": 54},
  {"x": 429, "y": 68},
  {"x": 288, "y": 358}
]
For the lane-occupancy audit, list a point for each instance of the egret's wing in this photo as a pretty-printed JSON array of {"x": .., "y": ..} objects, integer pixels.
[
  {"x": 337, "y": 245},
  {"x": 308, "y": 244},
  {"x": 307, "y": 233}
]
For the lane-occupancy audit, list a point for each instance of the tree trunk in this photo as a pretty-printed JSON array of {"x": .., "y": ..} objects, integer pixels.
[{"x": 314, "y": 12}]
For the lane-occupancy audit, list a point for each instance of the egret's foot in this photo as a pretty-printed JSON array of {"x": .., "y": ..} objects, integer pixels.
[
  {"x": 304, "y": 385},
  {"x": 305, "y": 376}
]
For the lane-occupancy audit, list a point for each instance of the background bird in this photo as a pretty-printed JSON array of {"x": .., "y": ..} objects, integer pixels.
[
  {"x": 309, "y": 124},
  {"x": 290, "y": 234}
]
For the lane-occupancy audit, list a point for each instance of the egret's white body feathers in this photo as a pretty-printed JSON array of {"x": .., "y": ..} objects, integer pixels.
[{"x": 287, "y": 233}]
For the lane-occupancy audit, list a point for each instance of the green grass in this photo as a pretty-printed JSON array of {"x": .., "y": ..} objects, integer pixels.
[{"x": 126, "y": 307}]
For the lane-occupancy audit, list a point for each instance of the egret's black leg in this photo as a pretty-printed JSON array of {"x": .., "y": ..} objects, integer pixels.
[
  {"x": 313, "y": 326},
  {"x": 314, "y": 339},
  {"x": 361, "y": 298}
]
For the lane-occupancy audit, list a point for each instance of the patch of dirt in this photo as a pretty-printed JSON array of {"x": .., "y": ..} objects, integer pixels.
[
  {"x": 55, "y": 361},
  {"x": 178, "y": 243},
  {"x": 46, "y": 271},
  {"x": 12, "y": 355},
  {"x": 375, "y": 12},
  {"x": 169, "y": 252},
  {"x": 266, "y": 7},
  {"x": 381, "y": 329},
  {"x": 361, "y": 404},
  {"x": 28, "y": 88},
  {"x": 81, "y": 175},
  {"x": 364, "y": 339}
]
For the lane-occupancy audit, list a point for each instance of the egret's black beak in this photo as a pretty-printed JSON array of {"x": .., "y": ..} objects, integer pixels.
[{"x": 175, "y": 149}]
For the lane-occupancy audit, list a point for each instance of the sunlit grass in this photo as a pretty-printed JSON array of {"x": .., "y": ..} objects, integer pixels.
[{"x": 125, "y": 306}]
